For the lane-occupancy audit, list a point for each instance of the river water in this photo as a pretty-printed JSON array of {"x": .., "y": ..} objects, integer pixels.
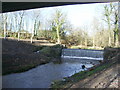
[{"x": 43, "y": 75}]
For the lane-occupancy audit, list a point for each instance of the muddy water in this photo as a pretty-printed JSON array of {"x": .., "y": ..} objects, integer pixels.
[{"x": 43, "y": 75}]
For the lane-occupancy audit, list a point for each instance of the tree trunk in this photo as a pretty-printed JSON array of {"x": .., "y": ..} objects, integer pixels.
[
  {"x": 117, "y": 41},
  {"x": 119, "y": 34},
  {"x": 4, "y": 30},
  {"x": 32, "y": 35},
  {"x": 18, "y": 36},
  {"x": 35, "y": 28},
  {"x": 119, "y": 22},
  {"x": 58, "y": 36},
  {"x": 86, "y": 42},
  {"x": 114, "y": 38},
  {"x": 109, "y": 28},
  {"x": 93, "y": 41}
]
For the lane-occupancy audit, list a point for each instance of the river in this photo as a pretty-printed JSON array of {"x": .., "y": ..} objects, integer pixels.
[{"x": 42, "y": 76}]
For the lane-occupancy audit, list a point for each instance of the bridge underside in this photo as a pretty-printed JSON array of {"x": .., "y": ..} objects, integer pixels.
[{"x": 16, "y": 6}]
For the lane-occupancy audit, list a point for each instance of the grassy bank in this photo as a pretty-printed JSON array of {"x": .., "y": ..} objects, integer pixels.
[
  {"x": 49, "y": 51},
  {"x": 69, "y": 81},
  {"x": 21, "y": 56}
]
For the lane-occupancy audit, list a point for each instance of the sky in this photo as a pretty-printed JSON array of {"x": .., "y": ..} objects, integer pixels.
[{"x": 79, "y": 15}]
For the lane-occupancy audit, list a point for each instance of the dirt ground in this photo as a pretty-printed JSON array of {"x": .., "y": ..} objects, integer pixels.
[{"x": 19, "y": 56}]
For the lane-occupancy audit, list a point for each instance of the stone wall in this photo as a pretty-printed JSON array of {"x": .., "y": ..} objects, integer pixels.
[{"x": 109, "y": 53}]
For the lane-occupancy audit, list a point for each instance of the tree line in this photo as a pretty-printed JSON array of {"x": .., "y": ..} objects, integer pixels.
[{"x": 60, "y": 30}]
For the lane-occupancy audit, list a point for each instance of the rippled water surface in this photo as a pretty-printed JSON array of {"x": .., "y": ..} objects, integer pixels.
[{"x": 43, "y": 75}]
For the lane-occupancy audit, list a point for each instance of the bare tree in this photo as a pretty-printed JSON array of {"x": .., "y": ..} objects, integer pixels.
[
  {"x": 108, "y": 13},
  {"x": 119, "y": 22},
  {"x": 111, "y": 14},
  {"x": 20, "y": 23},
  {"x": 115, "y": 22},
  {"x": 10, "y": 21},
  {"x": 15, "y": 21},
  {"x": 5, "y": 18},
  {"x": 21, "y": 15},
  {"x": 58, "y": 23},
  {"x": 36, "y": 21},
  {"x": 97, "y": 28},
  {"x": 1, "y": 22}
]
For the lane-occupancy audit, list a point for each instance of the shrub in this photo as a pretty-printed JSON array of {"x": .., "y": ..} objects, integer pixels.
[{"x": 51, "y": 52}]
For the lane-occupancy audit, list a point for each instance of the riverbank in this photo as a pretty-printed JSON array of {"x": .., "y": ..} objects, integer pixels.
[
  {"x": 100, "y": 76},
  {"x": 20, "y": 56}
]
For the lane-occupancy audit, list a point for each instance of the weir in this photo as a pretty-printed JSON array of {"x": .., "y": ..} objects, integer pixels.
[{"x": 82, "y": 54}]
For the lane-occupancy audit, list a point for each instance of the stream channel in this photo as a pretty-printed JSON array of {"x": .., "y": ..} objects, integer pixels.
[{"x": 42, "y": 76}]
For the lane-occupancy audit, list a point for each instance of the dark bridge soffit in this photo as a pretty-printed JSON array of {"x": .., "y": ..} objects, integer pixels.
[{"x": 16, "y": 6}]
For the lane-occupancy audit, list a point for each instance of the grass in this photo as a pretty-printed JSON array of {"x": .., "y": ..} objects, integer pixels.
[
  {"x": 68, "y": 81},
  {"x": 23, "y": 57},
  {"x": 50, "y": 51}
]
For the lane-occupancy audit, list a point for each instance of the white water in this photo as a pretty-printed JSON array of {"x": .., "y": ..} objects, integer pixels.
[
  {"x": 75, "y": 57},
  {"x": 81, "y": 54}
]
